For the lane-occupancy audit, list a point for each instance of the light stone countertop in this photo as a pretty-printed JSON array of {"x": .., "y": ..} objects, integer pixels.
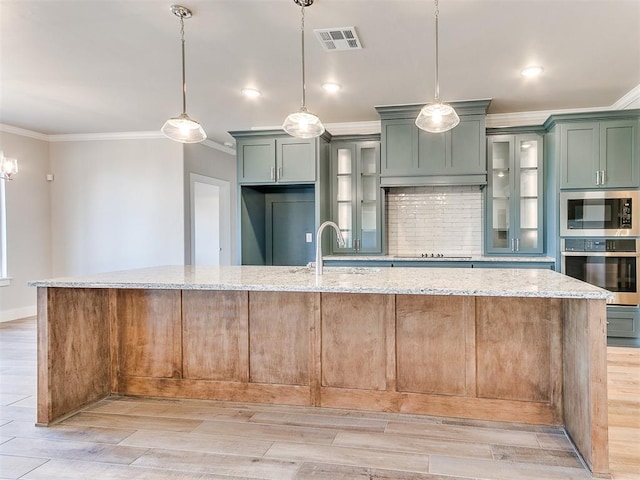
[
  {"x": 433, "y": 281},
  {"x": 460, "y": 258}
]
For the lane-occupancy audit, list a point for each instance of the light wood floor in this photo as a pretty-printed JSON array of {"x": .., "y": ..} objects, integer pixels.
[{"x": 131, "y": 438}]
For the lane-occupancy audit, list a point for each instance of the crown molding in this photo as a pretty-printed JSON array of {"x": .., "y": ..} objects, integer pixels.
[
  {"x": 354, "y": 128},
  {"x": 498, "y": 120},
  {"x": 630, "y": 100},
  {"x": 23, "y": 132},
  {"x": 90, "y": 137},
  {"x": 217, "y": 146}
]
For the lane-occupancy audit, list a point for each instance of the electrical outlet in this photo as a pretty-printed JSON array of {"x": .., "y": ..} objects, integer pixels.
[{"x": 309, "y": 237}]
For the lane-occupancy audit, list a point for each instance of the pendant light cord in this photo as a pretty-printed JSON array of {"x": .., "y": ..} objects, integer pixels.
[
  {"x": 437, "y": 96},
  {"x": 184, "y": 80},
  {"x": 302, "y": 43}
]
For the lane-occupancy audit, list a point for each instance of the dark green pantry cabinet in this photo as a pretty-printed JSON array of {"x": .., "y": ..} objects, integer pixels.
[
  {"x": 356, "y": 194},
  {"x": 265, "y": 160},
  {"x": 600, "y": 154},
  {"x": 411, "y": 156},
  {"x": 514, "y": 194}
]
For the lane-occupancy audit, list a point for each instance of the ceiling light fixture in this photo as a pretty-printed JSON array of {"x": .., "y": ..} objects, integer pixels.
[
  {"x": 331, "y": 87},
  {"x": 8, "y": 167},
  {"x": 303, "y": 124},
  {"x": 251, "y": 92},
  {"x": 437, "y": 117},
  {"x": 532, "y": 71},
  {"x": 182, "y": 128}
]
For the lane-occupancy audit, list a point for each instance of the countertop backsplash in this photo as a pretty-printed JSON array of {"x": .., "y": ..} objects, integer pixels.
[{"x": 434, "y": 219}]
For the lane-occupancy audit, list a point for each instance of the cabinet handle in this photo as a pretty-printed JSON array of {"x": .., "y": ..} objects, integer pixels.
[
  {"x": 513, "y": 245},
  {"x": 273, "y": 173},
  {"x": 279, "y": 173},
  {"x": 597, "y": 177},
  {"x": 517, "y": 244},
  {"x": 602, "y": 177}
]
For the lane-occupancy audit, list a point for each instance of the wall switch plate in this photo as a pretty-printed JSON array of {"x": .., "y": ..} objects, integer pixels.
[{"x": 309, "y": 237}]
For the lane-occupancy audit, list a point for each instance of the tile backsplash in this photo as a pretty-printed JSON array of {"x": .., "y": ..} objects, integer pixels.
[{"x": 436, "y": 219}]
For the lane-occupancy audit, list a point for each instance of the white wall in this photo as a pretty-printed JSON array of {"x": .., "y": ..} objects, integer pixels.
[
  {"x": 210, "y": 162},
  {"x": 28, "y": 224},
  {"x": 116, "y": 205}
]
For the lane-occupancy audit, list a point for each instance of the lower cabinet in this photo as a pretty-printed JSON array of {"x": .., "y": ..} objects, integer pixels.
[
  {"x": 623, "y": 326},
  {"x": 460, "y": 356}
]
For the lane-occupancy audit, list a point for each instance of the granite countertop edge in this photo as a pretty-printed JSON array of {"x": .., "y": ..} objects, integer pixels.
[{"x": 403, "y": 280}]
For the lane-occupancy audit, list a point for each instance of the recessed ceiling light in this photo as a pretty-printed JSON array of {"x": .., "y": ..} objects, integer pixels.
[
  {"x": 251, "y": 92},
  {"x": 532, "y": 71},
  {"x": 331, "y": 87}
]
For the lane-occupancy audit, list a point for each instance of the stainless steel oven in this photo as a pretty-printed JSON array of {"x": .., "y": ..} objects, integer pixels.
[
  {"x": 606, "y": 213},
  {"x": 609, "y": 263}
]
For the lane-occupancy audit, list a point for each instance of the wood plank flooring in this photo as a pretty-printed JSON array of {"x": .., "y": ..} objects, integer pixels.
[{"x": 125, "y": 438}]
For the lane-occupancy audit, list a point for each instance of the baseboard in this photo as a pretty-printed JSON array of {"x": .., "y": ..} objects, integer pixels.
[{"x": 17, "y": 313}]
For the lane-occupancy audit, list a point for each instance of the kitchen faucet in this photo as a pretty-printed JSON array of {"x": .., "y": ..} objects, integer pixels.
[{"x": 319, "y": 243}]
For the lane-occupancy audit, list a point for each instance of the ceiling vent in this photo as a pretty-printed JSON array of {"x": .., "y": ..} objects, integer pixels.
[{"x": 343, "y": 38}]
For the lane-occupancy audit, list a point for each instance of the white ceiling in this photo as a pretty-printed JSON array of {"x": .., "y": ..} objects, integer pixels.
[{"x": 89, "y": 66}]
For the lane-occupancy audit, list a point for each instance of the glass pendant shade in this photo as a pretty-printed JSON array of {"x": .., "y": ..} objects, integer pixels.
[
  {"x": 437, "y": 117},
  {"x": 303, "y": 124},
  {"x": 183, "y": 129}
]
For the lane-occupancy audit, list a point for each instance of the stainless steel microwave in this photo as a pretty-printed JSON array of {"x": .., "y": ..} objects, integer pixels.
[{"x": 606, "y": 213}]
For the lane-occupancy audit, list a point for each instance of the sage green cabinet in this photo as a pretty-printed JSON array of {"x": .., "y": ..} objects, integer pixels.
[
  {"x": 410, "y": 156},
  {"x": 514, "y": 194},
  {"x": 604, "y": 154},
  {"x": 265, "y": 160},
  {"x": 356, "y": 194}
]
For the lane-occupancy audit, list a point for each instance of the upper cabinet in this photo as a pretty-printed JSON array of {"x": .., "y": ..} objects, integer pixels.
[
  {"x": 599, "y": 153},
  {"x": 275, "y": 158},
  {"x": 356, "y": 193},
  {"x": 410, "y": 156},
  {"x": 514, "y": 194}
]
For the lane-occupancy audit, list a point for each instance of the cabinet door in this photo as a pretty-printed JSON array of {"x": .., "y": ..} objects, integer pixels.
[
  {"x": 400, "y": 151},
  {"x": 295, "y": 160},
  {"x": 256, "y": 161},
  {"x": 579, "y": 155},
  {"x": 433, "y": 150},
  {"x": 528, "y": 188},
  {"x": 369, "y": 211},
  {"x": 344, "y": 193},
  {"x": 619, "y": 156},
  {"x": 500, "y": 180},
  {"x": 467, "y": 154}
]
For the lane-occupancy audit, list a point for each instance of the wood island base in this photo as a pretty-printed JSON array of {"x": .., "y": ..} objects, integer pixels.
[{"x": 512, "y": 359}]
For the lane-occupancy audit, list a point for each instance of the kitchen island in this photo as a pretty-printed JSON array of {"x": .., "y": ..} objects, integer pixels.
[{"x": 514, "y": 345}]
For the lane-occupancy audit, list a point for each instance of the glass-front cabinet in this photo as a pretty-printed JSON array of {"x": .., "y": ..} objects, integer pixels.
[
  {"x": 357, "y": 196},
  {"x": 514, "y": 194}
]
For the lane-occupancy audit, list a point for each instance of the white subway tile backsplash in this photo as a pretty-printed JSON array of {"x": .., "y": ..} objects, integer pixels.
[{"x": 434, "y": 219}]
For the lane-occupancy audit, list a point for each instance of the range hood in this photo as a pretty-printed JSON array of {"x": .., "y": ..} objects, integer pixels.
[{"x": 413, "y": 157}]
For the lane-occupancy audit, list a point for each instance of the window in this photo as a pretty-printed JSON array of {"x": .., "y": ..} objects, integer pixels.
[{"x": 4, "y": 280}]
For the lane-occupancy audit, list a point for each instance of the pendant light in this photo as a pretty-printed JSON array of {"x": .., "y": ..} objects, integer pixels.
[
  {"x": 437, "y": 117},
  {"x": 8, "y": 167},
  {"x": 182, "y": 128},
  {"x": 303, "y": 124}
]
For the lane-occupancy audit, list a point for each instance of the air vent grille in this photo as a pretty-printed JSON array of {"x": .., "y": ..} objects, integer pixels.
[{"x": 343, "y": 38}]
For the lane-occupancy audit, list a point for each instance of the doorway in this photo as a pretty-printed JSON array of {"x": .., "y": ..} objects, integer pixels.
[{"x": 210, "y": 220}]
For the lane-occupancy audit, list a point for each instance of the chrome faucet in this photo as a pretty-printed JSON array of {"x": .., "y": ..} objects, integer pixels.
[{"x": 319, "y": 243}]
